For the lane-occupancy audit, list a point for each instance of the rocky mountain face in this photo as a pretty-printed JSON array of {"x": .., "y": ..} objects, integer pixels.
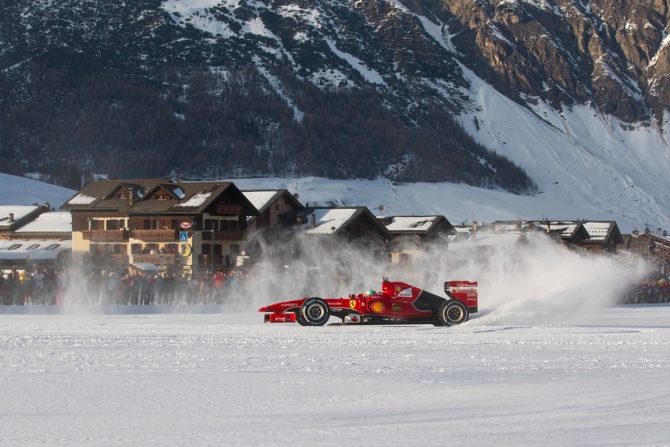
[{"x": 322, "y": 87}]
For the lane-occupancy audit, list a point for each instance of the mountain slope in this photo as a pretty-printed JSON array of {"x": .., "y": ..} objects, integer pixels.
[{"x": 574, "y": 93}]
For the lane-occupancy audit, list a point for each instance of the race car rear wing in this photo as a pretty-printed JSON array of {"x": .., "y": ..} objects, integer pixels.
[{"x": 463, "y": 291}]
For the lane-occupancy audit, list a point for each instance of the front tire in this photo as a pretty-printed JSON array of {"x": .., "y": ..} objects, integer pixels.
[
  {"x": 452, "y": 313},
  {"x": 315, "y": 312},
  {"x": 300, "y": 320}
]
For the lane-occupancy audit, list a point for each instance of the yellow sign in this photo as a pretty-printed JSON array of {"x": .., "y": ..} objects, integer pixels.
[
  {"x": 185, "y": 250},
  {"x": 377, "y": 307},
  {"x": 396, "y": 307},
  {"x": 352, "y": 303}
]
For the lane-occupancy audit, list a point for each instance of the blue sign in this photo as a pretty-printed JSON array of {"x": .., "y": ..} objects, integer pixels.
[{"x": 183, "y": 236}]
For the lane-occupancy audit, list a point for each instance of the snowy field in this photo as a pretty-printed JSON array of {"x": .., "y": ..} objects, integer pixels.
[{"x": 227, "y": 379}]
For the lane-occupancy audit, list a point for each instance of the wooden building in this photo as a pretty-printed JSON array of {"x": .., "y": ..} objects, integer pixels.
[
  {"x": 412, "y": 233},
  {"x": 179, "y": 226},
  {"x": 351, "y": 222},
  {"x": 271, "y": 204},
  {"x": 604, "y": 236}
]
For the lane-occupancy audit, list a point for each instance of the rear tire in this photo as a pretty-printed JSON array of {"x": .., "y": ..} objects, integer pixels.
[
  {"x": 452, "y": 313},
  {"x": 314, "y": 312}
]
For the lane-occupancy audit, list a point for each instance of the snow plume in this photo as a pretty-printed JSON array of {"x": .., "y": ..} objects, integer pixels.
[
  {"x": 533, "y": 284},
  {"x": 538, "y": 283}
]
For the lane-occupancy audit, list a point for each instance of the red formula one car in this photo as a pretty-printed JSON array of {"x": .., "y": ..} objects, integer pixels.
[{"x": 397, "y": 302}]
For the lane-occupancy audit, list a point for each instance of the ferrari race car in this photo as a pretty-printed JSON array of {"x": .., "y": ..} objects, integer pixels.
[{"x": 397, "y": 302}]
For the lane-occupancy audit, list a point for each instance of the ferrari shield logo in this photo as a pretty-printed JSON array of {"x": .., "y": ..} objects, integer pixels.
[
  {"x": 396, "y": 307},
  {"x": 377, "y": 307},
  {"x": 352, "y": 303}
]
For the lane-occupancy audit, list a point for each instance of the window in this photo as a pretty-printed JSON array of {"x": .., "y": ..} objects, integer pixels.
[
  {"x": 405, "y": 258},
  {"x": 52, "y": 247},
  {"x": 157, "y": 224},
  {"x": 146, "y": 224},
  {"x": 112, "y": 224},
  {"x": 33, "y": 247},
  {"x": 15, "y": 247},
  {"x": 122, "y": 195},
  {"x": 278, "y": 206},
  {"x": 94, "y": 224},
  {"x": 174, "y": 223},
  {"x": 224, "y": 225},
  {"x": 233, "y": 225}
]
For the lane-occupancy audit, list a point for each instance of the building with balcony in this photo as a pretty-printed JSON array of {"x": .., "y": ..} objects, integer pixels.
[{"x": 178, "y": 226}]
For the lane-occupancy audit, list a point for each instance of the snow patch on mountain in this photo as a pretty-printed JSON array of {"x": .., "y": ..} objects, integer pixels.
[
  {"x": 592, "y": 162},
  {"x": 369, "y": 74}
]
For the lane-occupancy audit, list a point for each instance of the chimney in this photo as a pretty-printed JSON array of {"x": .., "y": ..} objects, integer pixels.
[
  {"x": 47, "y": 205},
  {"x": 548, "y": 226},
  {"x": 474, "y": 226},
  {"x": 11, "y": 217},
  {"x": 313, "y": 221}
]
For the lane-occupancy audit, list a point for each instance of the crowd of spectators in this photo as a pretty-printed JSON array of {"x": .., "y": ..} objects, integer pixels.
[
  {"x": 52, "y": 287},
  {"x": 648, "y": 292},
  {"x": 35, "y": 286}
]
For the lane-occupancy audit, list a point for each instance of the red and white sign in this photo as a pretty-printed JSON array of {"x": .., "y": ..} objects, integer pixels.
[{"x": 185, "y": 225}]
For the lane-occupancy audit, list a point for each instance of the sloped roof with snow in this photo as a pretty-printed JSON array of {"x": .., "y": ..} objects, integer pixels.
[
  {"x": 18, "y": 211},
  {"x": 566, "y": 230},
  {"x": 412, "y": 223},
  {"x": 56, "y": 222},
  {"x": 190, "y": 197},
  {"x": 330, "y": 221},
  {"x": 261, "y": 199},
  {"x": 598, "y": 231}
]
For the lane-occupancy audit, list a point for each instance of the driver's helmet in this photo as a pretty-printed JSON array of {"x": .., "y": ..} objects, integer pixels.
[{"x": 369, "y": 292}]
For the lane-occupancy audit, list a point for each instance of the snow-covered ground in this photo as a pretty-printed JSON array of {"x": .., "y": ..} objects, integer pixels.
[{"x": 227, "y": 379}]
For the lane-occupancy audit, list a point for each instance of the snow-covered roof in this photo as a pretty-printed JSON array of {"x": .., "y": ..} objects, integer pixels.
[
  {"x": 81, "y": 199},
  {"x": 196, "y": 200},
  {"x": 259, "y": 199},
  {"x": 598, "y": 231},
  {"x": 19, "y": 213},
  {"x": 568, "y": 230},
  {"x": 37, "y": 250},
  {"x": 411, "y": 223},
  {"x": 329, "y": 221},
  {"x": 55, "y": 222}
]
